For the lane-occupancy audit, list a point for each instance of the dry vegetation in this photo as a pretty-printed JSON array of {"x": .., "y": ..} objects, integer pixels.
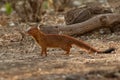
[
  {"x": 21, "y": 60},
  {"x": 20, "y": 57}
]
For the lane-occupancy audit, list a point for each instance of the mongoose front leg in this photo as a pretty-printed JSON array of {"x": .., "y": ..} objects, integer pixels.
[{"x": 44, "y": 51}]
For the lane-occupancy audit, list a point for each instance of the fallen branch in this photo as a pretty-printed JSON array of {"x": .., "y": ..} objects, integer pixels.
[{"x": 99, "y": 21}]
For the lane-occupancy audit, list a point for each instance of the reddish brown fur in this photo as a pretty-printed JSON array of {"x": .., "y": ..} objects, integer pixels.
[{"x": 61, "y": 41}]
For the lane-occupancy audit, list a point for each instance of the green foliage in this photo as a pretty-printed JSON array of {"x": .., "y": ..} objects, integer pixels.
[
  {"x": 8, "y": 8},
  {"x": 45, "y": 4}
]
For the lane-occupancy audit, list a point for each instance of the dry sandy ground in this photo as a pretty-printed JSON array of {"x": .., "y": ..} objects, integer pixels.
[{"x": 21, "y": 60}]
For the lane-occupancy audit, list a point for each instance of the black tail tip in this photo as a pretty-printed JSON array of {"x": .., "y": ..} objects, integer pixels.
[{"x": 109, "y": 50}]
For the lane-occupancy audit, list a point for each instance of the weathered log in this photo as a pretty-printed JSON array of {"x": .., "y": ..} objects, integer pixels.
[
  {"x": 79, "y": 15},
  {"x": 96, "y": 22}
]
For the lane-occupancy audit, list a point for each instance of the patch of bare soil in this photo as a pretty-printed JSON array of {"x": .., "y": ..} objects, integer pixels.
[{"x": 21, "y": 60}]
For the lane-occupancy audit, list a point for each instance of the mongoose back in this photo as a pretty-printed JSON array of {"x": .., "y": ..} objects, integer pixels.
[{"x": 64, "y": 42}]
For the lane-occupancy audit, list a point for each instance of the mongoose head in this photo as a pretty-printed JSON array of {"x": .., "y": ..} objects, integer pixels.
[{"x": 32, "y": 30}]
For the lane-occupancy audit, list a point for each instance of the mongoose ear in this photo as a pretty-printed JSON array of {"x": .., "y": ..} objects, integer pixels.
[
  {"x": 28, "y": 29},
  {"x": 38, "y": 26}
]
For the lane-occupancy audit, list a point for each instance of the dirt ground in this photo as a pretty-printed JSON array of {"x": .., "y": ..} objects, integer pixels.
[{"x": 21, "y": 60}]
